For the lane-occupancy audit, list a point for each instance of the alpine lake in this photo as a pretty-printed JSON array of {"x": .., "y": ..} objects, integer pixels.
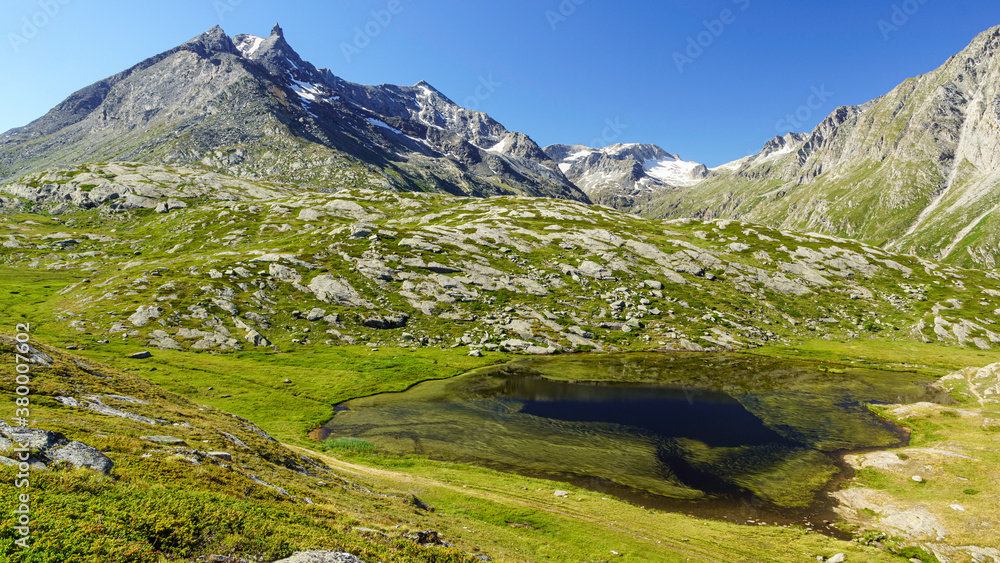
[{"x": 736, "y": 437}]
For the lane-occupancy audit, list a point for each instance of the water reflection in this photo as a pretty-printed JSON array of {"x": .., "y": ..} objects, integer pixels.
[{"x": 681, "y": 426}]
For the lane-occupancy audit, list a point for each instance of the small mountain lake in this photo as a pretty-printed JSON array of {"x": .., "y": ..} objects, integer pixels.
[{"x": 725, "y": 436}]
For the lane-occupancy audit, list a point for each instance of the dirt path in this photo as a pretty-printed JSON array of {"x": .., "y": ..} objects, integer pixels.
[{"x": 502, "y": 498}]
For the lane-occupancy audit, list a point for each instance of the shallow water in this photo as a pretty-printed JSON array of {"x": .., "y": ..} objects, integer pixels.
[{"x": 708, "y": 434}]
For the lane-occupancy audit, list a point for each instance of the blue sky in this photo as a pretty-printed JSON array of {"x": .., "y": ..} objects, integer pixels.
[{"x": 711, "y": 80}]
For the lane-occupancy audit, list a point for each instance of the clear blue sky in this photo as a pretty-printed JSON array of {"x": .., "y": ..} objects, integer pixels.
[{"x": 559, "y": 78}]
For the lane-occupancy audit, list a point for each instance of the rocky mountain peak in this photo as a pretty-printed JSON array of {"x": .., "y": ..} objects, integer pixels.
[
  {"x": 240, "y": 94},
  {"x": 279, "y": 58},
  {"x": 213, "y": 41}
]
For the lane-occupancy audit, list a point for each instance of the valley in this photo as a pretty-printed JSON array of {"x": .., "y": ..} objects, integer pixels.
[{"x": 273, "y": 315}]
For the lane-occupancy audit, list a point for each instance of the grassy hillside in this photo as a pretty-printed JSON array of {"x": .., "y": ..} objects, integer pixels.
[{"x": 274, "y": 306}]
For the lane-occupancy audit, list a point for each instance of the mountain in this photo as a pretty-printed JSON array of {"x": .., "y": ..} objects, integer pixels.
[
  {"x": 625, "y": 176},
  {"x": 915, "y": 170},
  {"x": 251, "y": 107}
]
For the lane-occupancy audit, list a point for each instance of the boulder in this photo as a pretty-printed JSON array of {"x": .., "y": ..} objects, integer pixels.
[
  {"x": 360, "y": 230},
  {"x": 310, "y": 215},
  {"x": 61, "y": 209},
  {"x": 332, "y": 290},
  {"x": 80, "y": 455},
  {"x": 145, "y": 315},
  {"x": 175, "y": 204},
  {"x": 163, "y": 341},
  {"x": 315, "y": 314},
  {"x": 257, "y": 339},
  {"x": 36, "y": 438},
  {"x": 515, "y": 344},
  {"x": 284, "y": 273},
  {"x": 596, "y": 271},
  {"x": 387, "y": 322},
  {"x": 140, "y": 356}
]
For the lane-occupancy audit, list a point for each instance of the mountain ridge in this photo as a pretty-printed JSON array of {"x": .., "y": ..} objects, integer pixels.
[
  {"x": 245, "y": 104},
  {"x": 913, "y": 170}
]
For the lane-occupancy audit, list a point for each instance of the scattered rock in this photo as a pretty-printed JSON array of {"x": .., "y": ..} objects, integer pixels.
[
  {"x": 171, "y": 440},
  {"x": 141, "y": 356},
  {"x": 321, "y": 557}
]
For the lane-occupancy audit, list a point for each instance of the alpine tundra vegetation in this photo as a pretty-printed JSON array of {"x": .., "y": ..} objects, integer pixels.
[{"x": 207, "y": 255}]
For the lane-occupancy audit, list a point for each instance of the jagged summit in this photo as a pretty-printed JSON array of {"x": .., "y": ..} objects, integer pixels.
[{"x": 251, "y": 106}]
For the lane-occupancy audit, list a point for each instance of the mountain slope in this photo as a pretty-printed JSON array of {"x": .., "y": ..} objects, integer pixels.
[
  {"x": 915, "y": 170},
  {"x": 251, "y": 107},
  {"x": 625, "y": 176},
  {"x": 265, "y": 267}
]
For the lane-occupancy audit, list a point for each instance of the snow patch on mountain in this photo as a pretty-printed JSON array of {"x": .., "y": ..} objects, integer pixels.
[
  {"x": 674, "y": 171},
  {"x": 383, "y": 125}
]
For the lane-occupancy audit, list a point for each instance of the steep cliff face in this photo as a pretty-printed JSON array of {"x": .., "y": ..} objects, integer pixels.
[{"x": 916, "y": 170}]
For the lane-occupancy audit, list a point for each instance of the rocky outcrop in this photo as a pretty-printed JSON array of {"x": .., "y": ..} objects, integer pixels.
[{"x": 48, "y": 449}]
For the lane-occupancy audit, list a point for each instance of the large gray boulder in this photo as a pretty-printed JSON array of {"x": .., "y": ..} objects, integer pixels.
[
  {"x": 332, "y": 290},
  {"x": 80, "y": 455},
  {"x": 596, "y": 271},
  {"x": 145, "y": 315},
  {"x": 387, "y": 322},
  {"x": 36, "y": 439},
  {"x": 257, "y": 339}
]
